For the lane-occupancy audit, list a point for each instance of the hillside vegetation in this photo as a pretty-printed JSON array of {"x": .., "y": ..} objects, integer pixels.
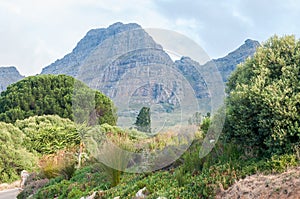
[
  {"x": 261, "y": 136},
  {"x": 55, "y": 95}
]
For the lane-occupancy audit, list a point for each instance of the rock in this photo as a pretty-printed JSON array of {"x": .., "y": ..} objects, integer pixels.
[
  {"x": 141, "y": 193},
  {"x": 228, "y": 63},
  {"x": 8, "y": 75},
  {"x": 95, "y": 194},
  {"x": 120, "y": 60},
  {"x": 71, "y": 62},
  {"x": 24, "y": 176},
  {"x": 118, "y": 197},
  {"x": 161, "y": 197}
]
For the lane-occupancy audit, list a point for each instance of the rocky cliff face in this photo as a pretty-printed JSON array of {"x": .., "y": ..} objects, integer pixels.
[
  {"x": 70, "y": 63},
  {"x": 125, "y": 63},
  {"x": 124, "y": 58},
  {"x": 8, "y": 75},
  {"x": 121, "y": 47},
  {"x": 228, "y": 63}
]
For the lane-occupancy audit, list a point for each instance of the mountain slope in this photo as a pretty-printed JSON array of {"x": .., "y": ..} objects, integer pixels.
[
  {"x": 71, "y": 62},
  {"x": 8, "y": 75},
  {"x": 228, "y": 63},
  {"x": 114, "y": 51},
  {"x": 126, "y": 64}
]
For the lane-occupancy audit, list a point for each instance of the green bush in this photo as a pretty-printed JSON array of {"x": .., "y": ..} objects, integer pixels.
[
  {"x": 83, "y": 183},
  {"x": 48, "y": 134},
  {"x": 13, "y": 156},
  {"x": 55, "y": 95},
  {"x": 263, "y": 99}
]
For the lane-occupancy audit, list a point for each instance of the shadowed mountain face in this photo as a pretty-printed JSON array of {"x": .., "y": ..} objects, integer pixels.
[{"x": 8, "y": 75}]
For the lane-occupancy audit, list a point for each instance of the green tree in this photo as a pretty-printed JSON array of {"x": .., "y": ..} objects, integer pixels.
[
  {"x": 55, "y": 95},
  {"x": 143, "y": 120},
  {"x": 263, "y": 105}
]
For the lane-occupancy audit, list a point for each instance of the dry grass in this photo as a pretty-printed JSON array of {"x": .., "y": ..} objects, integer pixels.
[{"x": 284, "y": 185}]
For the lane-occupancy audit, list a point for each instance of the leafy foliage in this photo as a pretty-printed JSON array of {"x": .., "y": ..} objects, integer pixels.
[
  {"x": 143, "y": 120},
  {"x": 13, "y": 156},
  {"x": 264, "y": 98},
  {"x": 48, "y": 134},
  {"x": 81, "y": 184},
  {"x": 202, "y": 184},
  {"x": 55, "y": 95}
]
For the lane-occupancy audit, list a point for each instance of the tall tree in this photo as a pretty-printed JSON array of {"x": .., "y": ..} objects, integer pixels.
[
  {"x": 263, "y": 105},
  {"x": 143, "y": 120}
]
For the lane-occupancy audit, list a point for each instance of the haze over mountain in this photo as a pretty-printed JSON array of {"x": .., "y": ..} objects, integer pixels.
[
  {"x": 106, "y": 49},
  {"x": 125, "y": 63},
  {"x": 8, "y": 75}
]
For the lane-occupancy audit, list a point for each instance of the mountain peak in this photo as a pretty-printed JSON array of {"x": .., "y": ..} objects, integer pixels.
[
  {"x": 70, "y": 63},
  {"x": 8, "y": 75},
  {"x": 120, "y": 25},
  {"x": 251, "y": 42},
  {"x": 5, "y": 70},
  {"x": 228, "y": 63}
]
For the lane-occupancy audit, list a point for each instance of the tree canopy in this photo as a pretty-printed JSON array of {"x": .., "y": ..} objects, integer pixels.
[
  {"x": 143, "y": 120},
  {"x": 263, "y": 105},
  {"x": 54, "y": 95}
]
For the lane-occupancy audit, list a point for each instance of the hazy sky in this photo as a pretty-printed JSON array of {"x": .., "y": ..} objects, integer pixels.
[{"x": 34, "y": 33}]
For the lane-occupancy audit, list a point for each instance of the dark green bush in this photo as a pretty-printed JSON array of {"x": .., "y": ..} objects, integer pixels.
[
  {"x": 263, "y": 99},
  {"x": 55, "y": 95}
]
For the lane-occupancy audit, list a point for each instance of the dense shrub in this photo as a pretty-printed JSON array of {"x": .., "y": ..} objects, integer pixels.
[
  {"x": 55, "y": 95},
  {"x": 47, "y": 134},
  {"x": 13, "y": 156},
  {"x": 263, "y": 106}
]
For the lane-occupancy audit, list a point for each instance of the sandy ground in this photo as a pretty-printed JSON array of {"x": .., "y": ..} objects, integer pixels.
[{"x": 278, "y": 186}]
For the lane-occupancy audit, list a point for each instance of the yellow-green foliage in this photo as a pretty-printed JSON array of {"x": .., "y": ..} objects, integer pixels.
[
  {"x": 13, "y": 156},
  {"x": 49, "y": 133}
]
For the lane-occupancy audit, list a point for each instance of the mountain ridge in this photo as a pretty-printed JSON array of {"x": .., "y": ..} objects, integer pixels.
[
  {"x": 84, "y": 47},
  {"x": 9, "y": 75},
  {"x": 104, "y": 55},
  {"x": 71, "y": 62}
]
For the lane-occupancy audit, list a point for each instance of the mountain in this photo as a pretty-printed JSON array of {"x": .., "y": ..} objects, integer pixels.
[
  {"x": 228, "y": 63},
  {"x": 70, "y": 63},
  {"x": 100, "y": 48},
  {"x": 125, "y": 63},
  {"x": 120, "y": 53},
  {"x": 8, "y": 75}
]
